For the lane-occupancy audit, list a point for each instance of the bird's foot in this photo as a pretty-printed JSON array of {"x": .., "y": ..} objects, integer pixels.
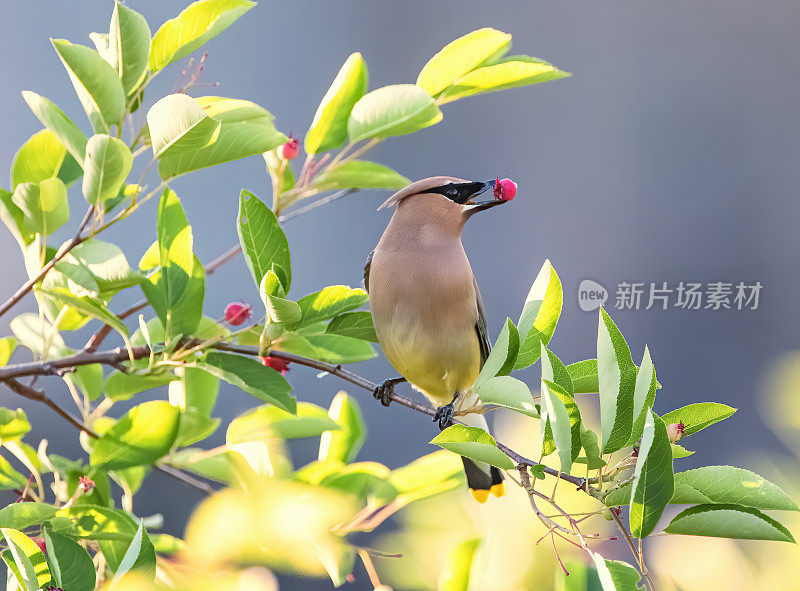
[
  {"x": 444, "y": 414},
  {"x": 384, "y": 392}
]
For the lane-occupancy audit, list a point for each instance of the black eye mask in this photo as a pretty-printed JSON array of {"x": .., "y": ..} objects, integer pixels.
[{"x": 461, "y": 192}]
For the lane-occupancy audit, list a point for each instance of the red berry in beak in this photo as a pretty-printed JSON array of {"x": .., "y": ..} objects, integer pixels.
[
  {"x": 275, "y": 363},
  {"x": 236, "y": 313},
  {"x": 290, "y": 149},
  {"x": 505, "y": 190}
]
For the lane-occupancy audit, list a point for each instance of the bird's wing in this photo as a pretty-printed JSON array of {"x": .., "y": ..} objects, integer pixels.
[
  {"x": 480, "y": 326},
  {"x": 367, "y": 265}
]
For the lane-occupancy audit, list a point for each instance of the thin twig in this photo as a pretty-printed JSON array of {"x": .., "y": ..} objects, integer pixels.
[
  {"x": 642, "y": 568},
  {"x": 28, "y": 285}
]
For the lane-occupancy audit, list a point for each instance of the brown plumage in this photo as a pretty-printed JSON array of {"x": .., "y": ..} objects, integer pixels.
[{"x": 425, "y": 304}]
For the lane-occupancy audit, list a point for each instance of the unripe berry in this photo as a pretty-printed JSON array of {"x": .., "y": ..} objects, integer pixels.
[
  {"x": 675, "y": 431},
  {"x": 236, "y": 313},
  {"x": 290, "y": 149},
  {"x": 504, "y": 190},
  {"x": 275, "y": 363}
]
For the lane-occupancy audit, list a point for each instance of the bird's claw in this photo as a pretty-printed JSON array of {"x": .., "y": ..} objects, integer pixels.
[
  {"x": 384, "y": 392},
  {"x": 444, "y": 414}
]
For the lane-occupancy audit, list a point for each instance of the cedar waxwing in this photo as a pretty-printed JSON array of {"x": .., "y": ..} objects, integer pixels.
[{"x": 426, "y": 307}]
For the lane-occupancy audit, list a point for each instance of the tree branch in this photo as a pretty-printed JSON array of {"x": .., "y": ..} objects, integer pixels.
[
  {"x": 120, "y": 355},
  {"x": 28, "y": 285}
]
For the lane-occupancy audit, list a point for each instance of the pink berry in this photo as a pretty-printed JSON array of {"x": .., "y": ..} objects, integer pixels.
[
  {"x": 41, "y": 543},
  {"x": 275, "y": 363},
  {"x": 290, "y": 149},
  {"x": 236, "y": 313},
  {"x": 87, "y": 483},
  {"x": 504, "y": 190},
  {"x": 675, "y": 431}
]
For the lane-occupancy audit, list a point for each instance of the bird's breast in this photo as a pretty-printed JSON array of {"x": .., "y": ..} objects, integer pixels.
[{"x": 424, "y": 310}]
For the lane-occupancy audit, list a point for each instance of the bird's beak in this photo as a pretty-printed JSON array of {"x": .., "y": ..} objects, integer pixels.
[{"x": 476, "y": 206}]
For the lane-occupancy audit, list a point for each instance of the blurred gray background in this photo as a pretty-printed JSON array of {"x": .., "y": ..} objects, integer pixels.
[{"x": 670, "y": 155}]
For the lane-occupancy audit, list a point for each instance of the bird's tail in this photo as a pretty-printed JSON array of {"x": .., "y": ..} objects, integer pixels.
[{"x": 482, "y": 479}]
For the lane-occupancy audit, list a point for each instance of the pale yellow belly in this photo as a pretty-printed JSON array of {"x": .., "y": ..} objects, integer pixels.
[{"x": 439, "y": 360}]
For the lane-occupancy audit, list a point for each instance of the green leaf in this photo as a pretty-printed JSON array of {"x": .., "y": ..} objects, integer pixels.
[
  {"x": 500, "y": 76},
  {"x": 131, "y": 555},
  {"x": 86, "y": 305},
  {"x": 176, "y": 290},
  {"x": 31, "y": 563},
  {"x": 107, "y": 164},
  {"x": 278, "y": 309},
  {"x": 696, "y": 417},
  {"x": 268, "y": 422},
  {"x": 617, "y": 381},
  {"x": 331, "y": 348},
  {"x": 70, "y": 565},
  {"x": 357, "y": 325},
  {"x": 263, "y": 242},
  {"x": 455, "y": 576},
  {"x": 246, "y": 130},
  {"x": 143, "y": 435},
  {"x": 560, "y": 422},
  {"x": 13, "y": 425},
  {"x": 35, "y": 333},
  {"x": 192, "y": 28},
  {"x": 94, "y": 522},
  {"x": 644, "y": 394},
  {"x": 195, "y": 426},
  {"x": 15, "y": 221},
  {"x": 508, "y": 392},
  {"x": 429, "y": 475},
  {"x": 129, "y": 46},
  {"x": 329, "y": 302},
  {"x": 105, "y": 263},
  {"x": 178, "y": 123},
  {"x": 41, "y": 157},
  {"x": 615, "y": 575},
  {"x": 329, "y": 128},
  {"x": 344, "y": 443},
  {"x": 9, "y": 477},
  {"x": 122, "y": 386},
  {"x": 460, "y": 57},
  {"x": 56, "y": 121},
  {"x": 195, "y": 389},
  {"x": 553, "y": 370},
  {"x": 540, "y": 314},
  {"x": 730, "y": 485},
  {"x": 393, "y": 110},
  {"x": 24, "y": 515},
  {"x": 360, "y": 174},
  {"x": 653, "y": 482},
  {"x": 264, "y": 383},
  {"x": 96, "y": 83},
  {"x": 44, "y": 205},
  {"x": 502, "y": 356},
  {"x": 366, "y": 480},
  {"x": 678, "y": 451},
  {"x": 728, "y": 521},
  {"x": 591, "y": 450},
  {"x": 473, "y": 443}
]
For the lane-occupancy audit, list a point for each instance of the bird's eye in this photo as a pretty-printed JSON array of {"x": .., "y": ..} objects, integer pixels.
[{"x": 452, "y": 192}]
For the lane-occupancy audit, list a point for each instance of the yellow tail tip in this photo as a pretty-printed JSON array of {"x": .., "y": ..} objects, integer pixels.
[
  {"x": 498, "y": 490},
  {"x": 480, "y": 495}
]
